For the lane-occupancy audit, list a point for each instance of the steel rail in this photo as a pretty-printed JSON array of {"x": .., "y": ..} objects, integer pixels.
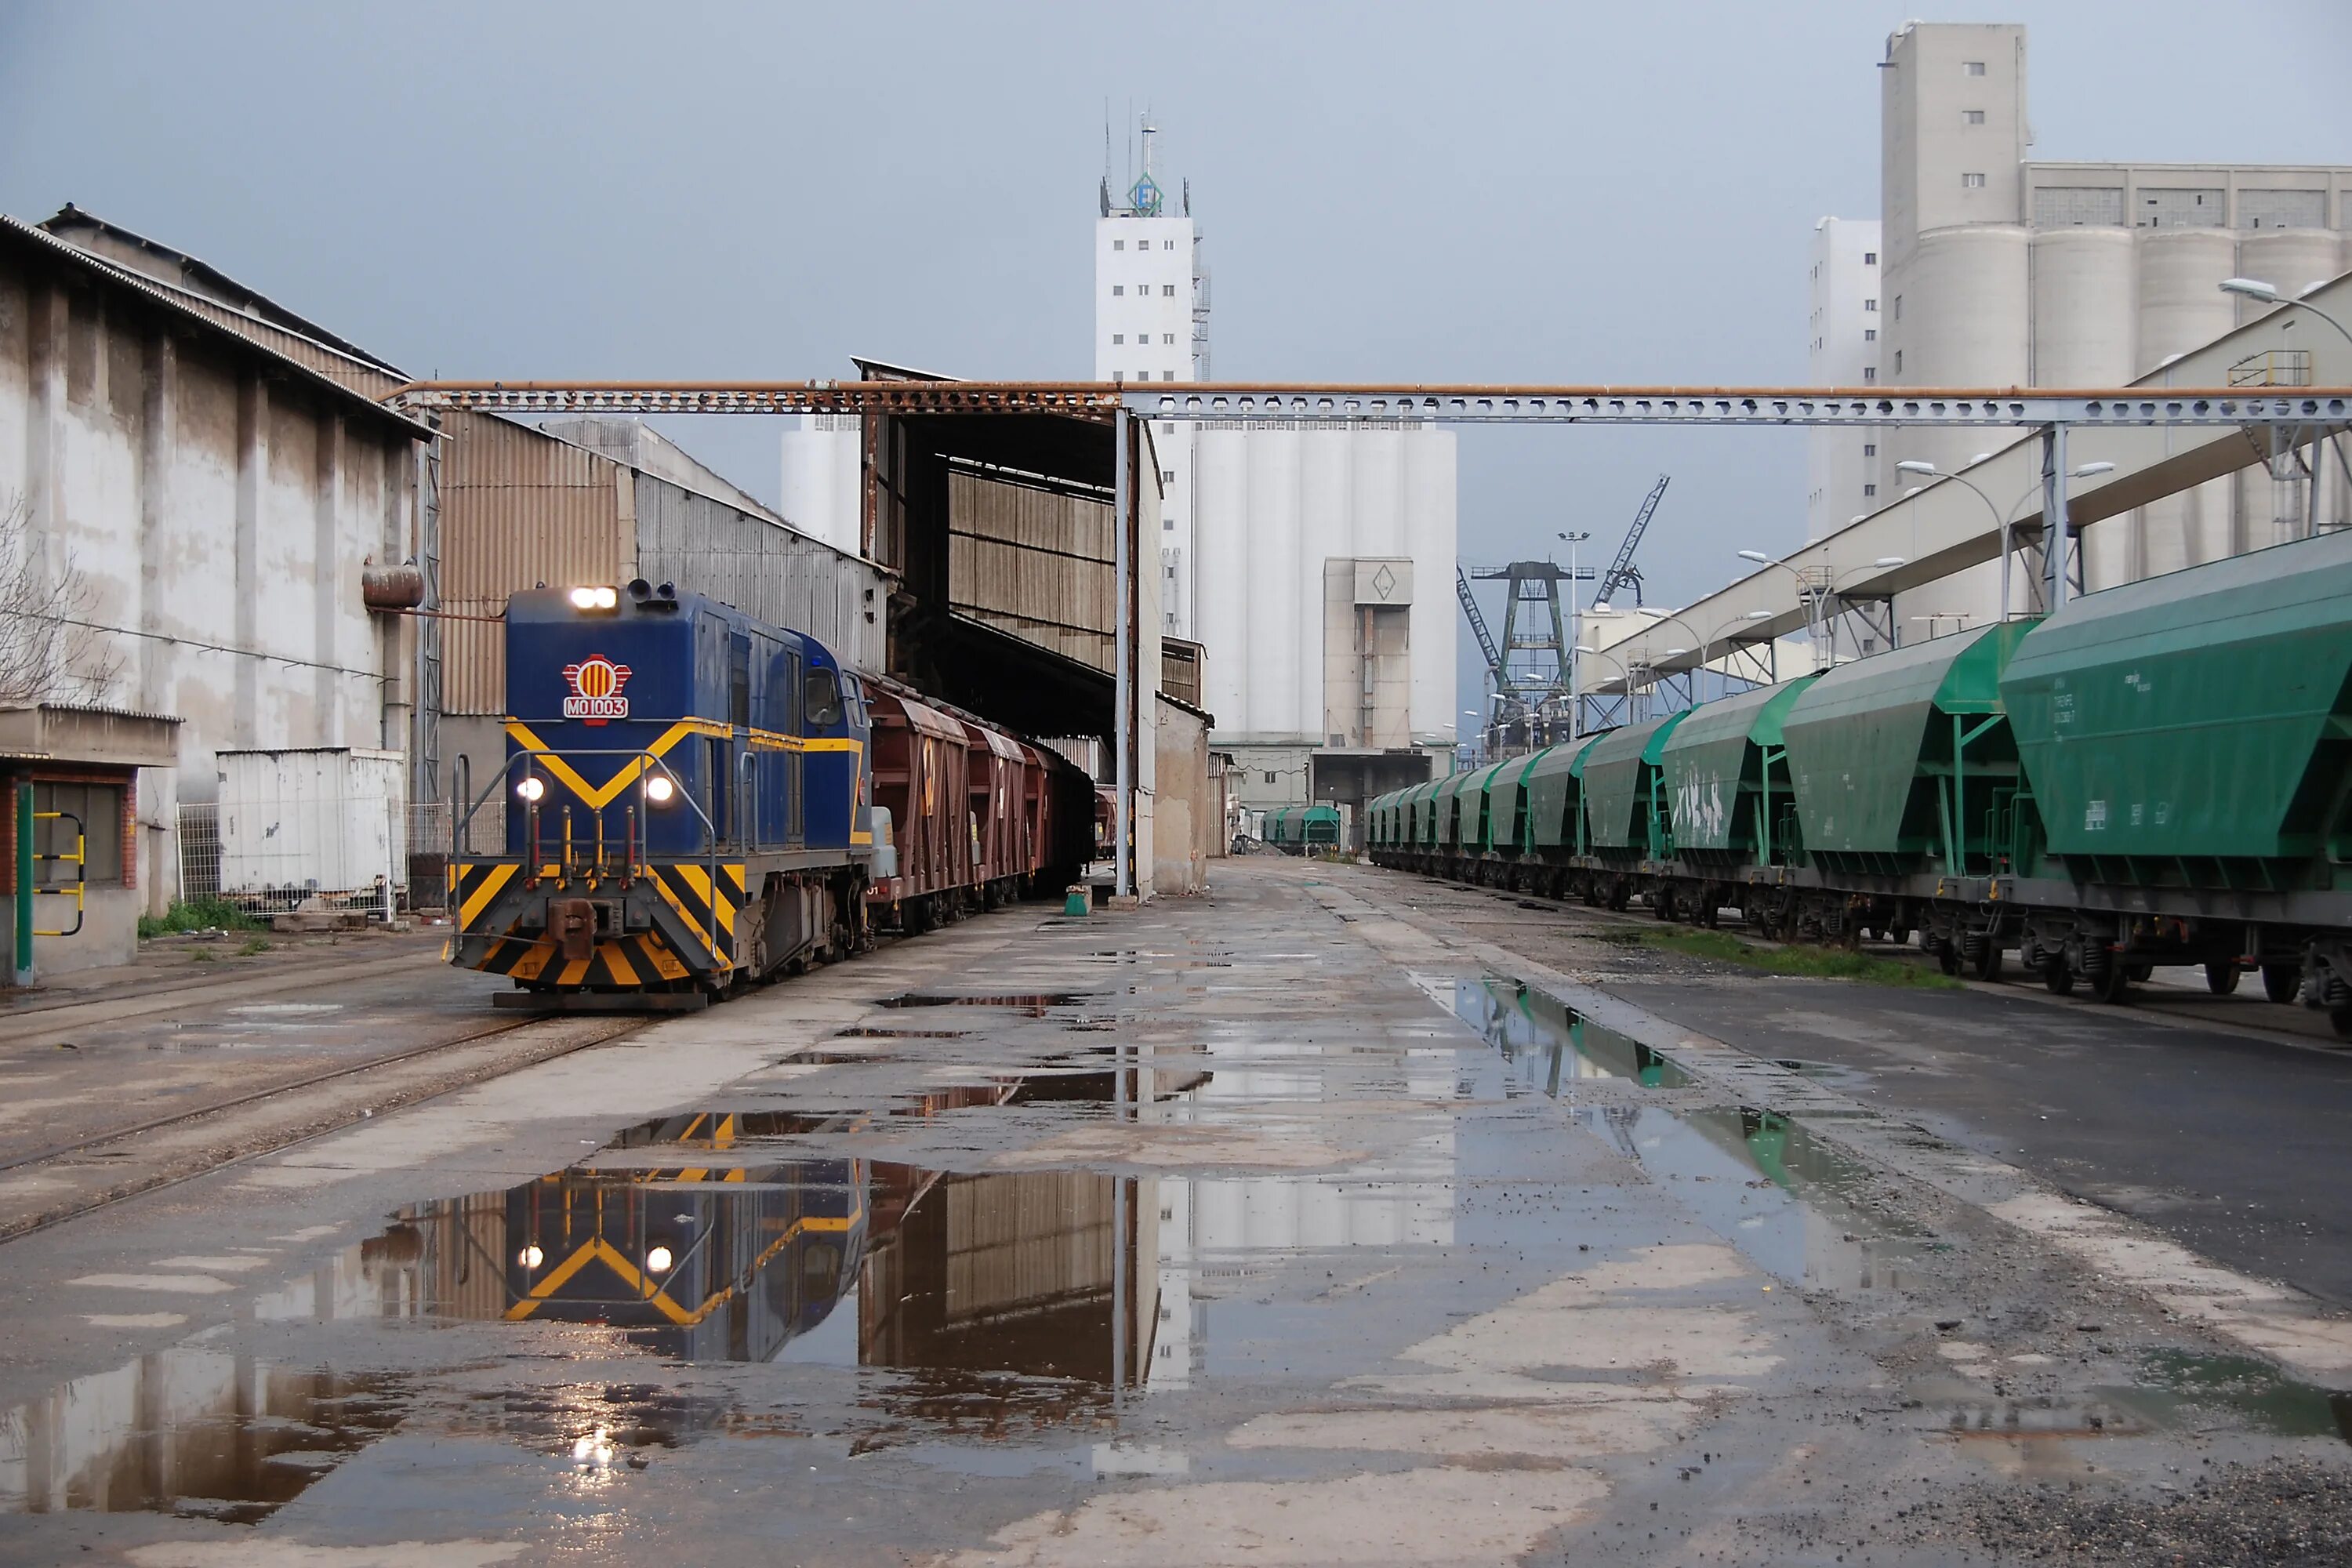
[
  {"x": 213, "y": 1108},
  {"x": 157, "y": 1182}
]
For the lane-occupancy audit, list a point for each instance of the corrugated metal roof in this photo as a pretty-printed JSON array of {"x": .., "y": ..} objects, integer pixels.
[
  {"x": 255, "y": 306},
  {"x": 217, "y": 322}
]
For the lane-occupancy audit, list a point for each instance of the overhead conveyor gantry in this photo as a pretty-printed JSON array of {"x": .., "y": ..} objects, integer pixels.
[{"x": 2177, "y": 429}]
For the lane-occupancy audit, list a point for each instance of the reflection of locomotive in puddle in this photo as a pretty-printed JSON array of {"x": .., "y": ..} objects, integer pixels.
[{"x": 703, "y": 1237}]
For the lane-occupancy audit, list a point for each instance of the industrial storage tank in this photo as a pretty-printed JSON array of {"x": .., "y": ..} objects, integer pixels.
[
  {"x": 822, "y": 477},
  {"x": 1325, "y": 502},
  {"x": 1222, "y": 567},
  {"x": 2289, "y": 259},
  {"x": 2085, "y": 315},
  {"x": 2182, "y": 309},
  {"x": 1966, "y": 312},
  {"x": 1271, "y": 541},
  {"x": 2181, "y": 306},
  {"x": 2270, "y": 509},
  {"x": 1430, "y": 494},
  {"x": 2085, "y": 306}
]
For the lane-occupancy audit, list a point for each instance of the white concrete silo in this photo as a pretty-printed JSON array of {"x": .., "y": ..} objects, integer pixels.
[
  {"x": 2085, "y": 317},
  {"x": 2181, "y": 308},
  {"x": 1271, "y": 544},
  {"x": 1221, "y": 547},
  {"x": 2271, "y": 509},
  {"x": 1968, "y": 313},
  {"x": 1325, "y": 501},
  {"x": 1376, "y": 479},
  {"x": 823, "y": 479},
  {"x": 1431, "y": 492},
  {"x": 2289, "y": 259}
]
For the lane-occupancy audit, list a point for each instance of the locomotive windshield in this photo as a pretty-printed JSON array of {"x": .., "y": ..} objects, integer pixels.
[{"x": 821, "y": 698}]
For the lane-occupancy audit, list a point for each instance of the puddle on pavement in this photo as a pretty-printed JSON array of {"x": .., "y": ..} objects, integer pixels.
[
  {"x": 2185, "y": 1390},
  {"x": 1834, "y": 1074},
  {"x": 825, "y": 1260},
  {"x": 1033, "y": 1003},
  {"x": 1799, "y": 1207},
  {"x": 872, "y": 1032},
  {"x": 197, "y": 1433},
  {"x": 2029, "y": 1419},
  {"x": 1549, "y": 1042}
]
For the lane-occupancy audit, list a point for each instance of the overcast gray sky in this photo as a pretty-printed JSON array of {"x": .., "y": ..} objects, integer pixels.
[{"x": 1558, "y": 193}]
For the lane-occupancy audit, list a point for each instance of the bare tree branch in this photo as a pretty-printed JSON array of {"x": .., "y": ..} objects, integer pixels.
[{"x": 43, "y": 656}]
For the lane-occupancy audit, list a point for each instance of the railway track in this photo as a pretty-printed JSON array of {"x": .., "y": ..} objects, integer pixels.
[{"x": 108, "y": 1166}]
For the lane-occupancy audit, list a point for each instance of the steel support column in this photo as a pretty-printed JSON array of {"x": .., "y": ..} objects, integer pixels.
[
  {"x": 2057, "y": 541},
  {"x": 1123, "y": 721}
]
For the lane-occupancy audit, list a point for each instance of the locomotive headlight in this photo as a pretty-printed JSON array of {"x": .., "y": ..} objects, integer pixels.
[
  {"x": 595, "y": 598},
  {"x": 530, "y": 1257},
  {"x": 658, "y": 1260},
  {"x": 659, "y": 790},
  {"x": 531, "y": 788}
]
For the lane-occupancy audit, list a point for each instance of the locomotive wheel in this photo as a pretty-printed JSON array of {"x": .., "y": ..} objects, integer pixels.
[
  {"x": 2113, "y": 983},
  {"x": 2056, "y": 977},
  {"x": 2282, "y": 981},
  {"x": 2221, "y": 978}
]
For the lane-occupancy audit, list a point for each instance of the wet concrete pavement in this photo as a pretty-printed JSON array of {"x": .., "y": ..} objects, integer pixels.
[{"x": 1294, "y": 1226}]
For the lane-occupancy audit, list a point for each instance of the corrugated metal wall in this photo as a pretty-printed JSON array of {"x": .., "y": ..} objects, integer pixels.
[
  {"x": 518, "y": 509},
  {"x": 784, "y": 578},
  {"x": 1034, "y": 562}
]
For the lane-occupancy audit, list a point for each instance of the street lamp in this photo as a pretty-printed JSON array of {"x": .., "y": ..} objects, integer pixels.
[
  {"x": 1810, "y": 596},
  {"x": 1575, "y": 629},
  {"x": 2004, "y": 521},
  {"x": 1585, "y": 651},
  {"x": 2256, "y": 289}
]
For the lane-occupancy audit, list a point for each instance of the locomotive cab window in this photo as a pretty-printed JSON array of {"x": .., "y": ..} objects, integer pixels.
[{"x": 821, "y": 698}]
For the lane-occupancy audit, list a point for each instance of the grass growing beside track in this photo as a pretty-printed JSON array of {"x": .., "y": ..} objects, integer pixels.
[
  {"x": 206, "y": 912},
  {"x": 1828, "y": 963}
]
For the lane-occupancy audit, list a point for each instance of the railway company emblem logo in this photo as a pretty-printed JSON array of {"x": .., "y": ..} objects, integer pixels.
[{"x": 596, "y": 682}]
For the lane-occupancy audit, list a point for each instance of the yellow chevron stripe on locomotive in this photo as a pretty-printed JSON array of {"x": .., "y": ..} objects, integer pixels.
[{"x": 597, "y": 927}]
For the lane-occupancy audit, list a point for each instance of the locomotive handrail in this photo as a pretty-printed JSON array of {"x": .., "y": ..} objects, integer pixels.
[{"x": 641, "y": 827}]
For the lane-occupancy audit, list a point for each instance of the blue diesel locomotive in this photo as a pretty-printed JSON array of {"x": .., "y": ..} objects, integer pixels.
[{"x": 687, "y": 802}]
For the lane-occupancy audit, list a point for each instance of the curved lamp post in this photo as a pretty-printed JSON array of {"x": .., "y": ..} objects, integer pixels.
[{"x": 2004, "y": 521}]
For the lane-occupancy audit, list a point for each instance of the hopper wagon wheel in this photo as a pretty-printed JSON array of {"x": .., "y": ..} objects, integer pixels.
[
  {"x": 2282, "y": 981},
  {"x": 2113, "y": 983},
  {"x": 2340, "y": 1019},
  {"x": 1982, "y": 953},
  {"x": 1948, "y": 955},
  {"x": 2221, "y": 977},
  {"x": 2055, "y": 976}
]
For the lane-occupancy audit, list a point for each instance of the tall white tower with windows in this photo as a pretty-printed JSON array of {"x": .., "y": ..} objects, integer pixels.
[{"x": 1151, "y": 324}]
